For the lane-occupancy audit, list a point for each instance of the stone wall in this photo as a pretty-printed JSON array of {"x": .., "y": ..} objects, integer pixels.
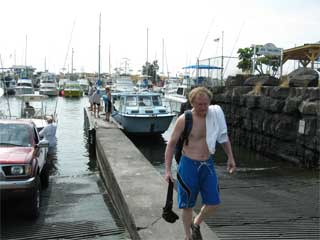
[{"x": 279, "y": 122}]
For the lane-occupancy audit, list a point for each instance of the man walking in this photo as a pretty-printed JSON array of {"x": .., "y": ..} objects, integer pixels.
[{"x": 196, "y": 171}]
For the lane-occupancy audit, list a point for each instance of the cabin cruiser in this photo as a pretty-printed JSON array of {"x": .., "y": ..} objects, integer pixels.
[
  {"x": 24, "y": 86},
  {"x": 48, "y": 85},
  {"x": 141, "y": 112}
]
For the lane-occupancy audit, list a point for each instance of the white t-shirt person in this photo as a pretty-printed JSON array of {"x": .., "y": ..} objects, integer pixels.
[{"x": 49, "y": 133}]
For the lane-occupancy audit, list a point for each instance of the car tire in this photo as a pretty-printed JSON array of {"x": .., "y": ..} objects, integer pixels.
[
  {"x": 34, "y": 204},
  {"x": 45, "y": 176}
]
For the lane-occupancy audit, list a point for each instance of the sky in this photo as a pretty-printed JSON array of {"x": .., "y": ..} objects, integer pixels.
[{"x": 42, "y": 33}]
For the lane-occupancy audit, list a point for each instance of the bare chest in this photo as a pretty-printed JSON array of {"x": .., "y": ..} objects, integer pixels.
[{"x": 198, "y": 131}]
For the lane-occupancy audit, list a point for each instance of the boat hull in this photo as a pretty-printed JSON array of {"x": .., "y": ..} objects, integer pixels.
[
  {"x": 24, "y": 90},
  {"x": 72, "y": 93},
  {"x": 49, "y": 92},
  {"x": 144, "y": 124}
]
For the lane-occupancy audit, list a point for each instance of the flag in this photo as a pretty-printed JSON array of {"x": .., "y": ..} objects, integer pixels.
[{"x": 216, "y": 39}]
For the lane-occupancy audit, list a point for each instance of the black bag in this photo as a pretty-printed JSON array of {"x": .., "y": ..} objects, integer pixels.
[
  {"x": 184, "y": 136},
  {"x": 167, "y": 213}
]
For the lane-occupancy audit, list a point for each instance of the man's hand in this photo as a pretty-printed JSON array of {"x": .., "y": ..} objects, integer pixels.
[
  {"x": 168, "y": 176},
  {"x": 231, "y": 165}
]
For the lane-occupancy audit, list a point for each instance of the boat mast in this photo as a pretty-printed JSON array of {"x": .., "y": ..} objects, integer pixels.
[
  {"x": 25, "y": 57},
  {"x": 71, "y": 64},
  {"x": 162, "y": 56},
  {"x": 99, "y": 47},
  {"x": 109, "y": 59},
  {"x": 222, "y": 58},
  {"x": 147, "y": 43}
]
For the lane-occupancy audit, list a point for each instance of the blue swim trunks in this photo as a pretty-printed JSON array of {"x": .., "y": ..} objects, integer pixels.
[{"x": 194, "y": 177}]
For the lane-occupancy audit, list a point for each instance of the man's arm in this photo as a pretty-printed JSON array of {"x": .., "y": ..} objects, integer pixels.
[
  {"x": 41, "y": 133},
  {"x": 177, "y": 131},
  {"x": 231, "y": 165}
]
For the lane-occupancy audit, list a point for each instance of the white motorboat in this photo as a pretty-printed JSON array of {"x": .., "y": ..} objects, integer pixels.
[
  {"x": 48, "y": 85},
  {"x": 122, "y": 83},
  {"x": 24, "y": 86},
  {"x": 84, "y": 84},
  {"x": 141, "y": 112}
]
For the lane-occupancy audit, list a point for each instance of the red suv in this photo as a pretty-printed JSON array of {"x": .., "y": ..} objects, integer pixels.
[{"x": 23, "y": 167}]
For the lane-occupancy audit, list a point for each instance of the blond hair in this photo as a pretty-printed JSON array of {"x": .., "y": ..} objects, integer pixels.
[{"x": 199, "y": 91}]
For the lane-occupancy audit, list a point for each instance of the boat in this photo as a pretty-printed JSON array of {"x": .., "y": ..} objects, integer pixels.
[
  {"x": 48, "y": 85},
  {"x": 34, "y": 107},
  {"x": 176, "y": 96},
  {"x": 122, "y": 83},
  {"x": 24, "y": 86},
  {"x": 141, "y": 112},
  {"x": 179, "y": 94},
  {"x": 84, "y": 84},
  {"x": 72, "y": 89}
]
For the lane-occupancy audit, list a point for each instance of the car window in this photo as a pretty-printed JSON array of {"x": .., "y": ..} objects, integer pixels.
[{"x": 14, "y": 135}]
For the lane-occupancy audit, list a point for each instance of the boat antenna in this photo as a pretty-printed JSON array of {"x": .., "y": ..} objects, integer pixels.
[
  {"x": 237, "y": 39},
  {"x": 5, "y": 87}
]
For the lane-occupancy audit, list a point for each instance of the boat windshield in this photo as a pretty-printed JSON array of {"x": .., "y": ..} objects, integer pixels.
[
  {"x": 131, "y": 101},
  {"x": 145, "y": 101},
  {"x": 156, "y": 101}
]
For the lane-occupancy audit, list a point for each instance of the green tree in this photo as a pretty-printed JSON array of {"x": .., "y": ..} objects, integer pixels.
[
  {"x": 245, "y": 59},
  {"x": 151, "y": 69},
  {"x": 270, "y": 63}
]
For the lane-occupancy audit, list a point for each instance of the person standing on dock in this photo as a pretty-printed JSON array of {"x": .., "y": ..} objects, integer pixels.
[
  {"x": 96, "y": 102},
  {"x": 196, "y": 171},
  {"x": 90, "y": 93},
  {"x": 107, "y": 98}
]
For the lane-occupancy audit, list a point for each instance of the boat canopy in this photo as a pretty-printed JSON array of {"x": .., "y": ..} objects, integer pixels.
[
  {"x": 202, "y": 66},
  {"x": 32, "y": 97}
]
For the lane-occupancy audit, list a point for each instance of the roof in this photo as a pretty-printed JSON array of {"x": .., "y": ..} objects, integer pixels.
[
  {"x": 17, "y": 121},
  {"x": 202, "y": 66},
  {"x": 307, "y": 52}
]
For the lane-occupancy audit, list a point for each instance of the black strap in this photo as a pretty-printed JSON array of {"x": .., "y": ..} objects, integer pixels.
[
  {"x": 169, "y": 195},
  {"x": 187, "y": 126}
]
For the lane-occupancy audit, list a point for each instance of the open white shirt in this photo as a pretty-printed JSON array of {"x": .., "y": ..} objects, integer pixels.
[
  {"x": 216, "y": 127},
  {"x": 49, "y": 133}
]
